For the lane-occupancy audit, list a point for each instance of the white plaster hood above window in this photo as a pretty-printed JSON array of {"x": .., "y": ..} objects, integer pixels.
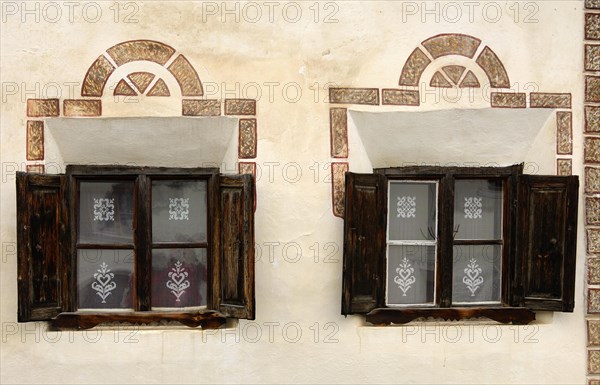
[
  {"x": 461, "y": 137},
  {"x": 161, "y": 142}
]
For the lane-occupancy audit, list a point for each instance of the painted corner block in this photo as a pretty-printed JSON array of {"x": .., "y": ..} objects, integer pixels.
[
  {"x": 592, "y": 26},
  {"x": 35, "y": 168},
  {"x": 196, "y": 107},
  {"x": 82, "y": 107},
  {"x": 413, "y": 68},
  {"x": 592, "y": 211},
  {"x": 593, "y": 332},
  {"x": 549, "y": 100},
  {"x": 338, "y": 126},
  {"x": 592, "y": 180},
  {"x": 451, "y": 44},
  {"x": 186, "y": 76},
  {"x": 354, "y": 96},
  {"x": 593, "y": 240},
  {"x": 593, "y": 269},
  {"x": 43, "y": 107},
  {"x": 591, "y": 151},
  {"x": 141, "y": 80},
  {"x": 564, "y": 167},
  {"x": 400, "y": 97},
  {"x": 594, "y": 361},
  {"x": 592, "y": 89},
  {"x": 592, "y": 119},
  {"x": 247, "y": 138},
  {"x": 564, "y": 133},
  {"x": 35, "y": 140},
  {"x": 247, "y": 168},
  {"x": 594, "y": 301},
  {"x": 96, "y": 77},
  {"x": 592, "y": 57},
  {"x": 508, "y": 100},
  {"x": 338, "y": 178},
  {"x": 160, "y": 89},
  {"x": 493, "y": 68},
  {"x": 124, "y": 89},
  {"x": 240, "y": 107},
  {"x": 133, "y": 50}
]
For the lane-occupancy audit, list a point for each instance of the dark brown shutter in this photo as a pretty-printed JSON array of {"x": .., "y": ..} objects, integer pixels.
[
  {"x": 364, "y": 243},
  {"x": 546, "y": 241},
  {"x": 42, "y": 243},
  {"x": 233, "y": 274}
]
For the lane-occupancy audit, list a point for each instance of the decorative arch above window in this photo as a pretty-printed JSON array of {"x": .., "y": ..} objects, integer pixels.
[
  {"x": 450, "y": 60},
  {"x": 222, "y": 287},
  {"x": 454, "y": 76},
  {"x": 385, "y": 225},
  {"x": 141, "y": 50},
  {"x": 145, "y": 68},
  {"x": 136, "y": 84},
  {"x": 449, "y": 76}
]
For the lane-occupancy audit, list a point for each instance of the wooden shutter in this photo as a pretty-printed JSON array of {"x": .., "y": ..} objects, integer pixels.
[
  {"x": 364, "y": 243},
  {"x": 42, "y": 246},
  {"x": 233, "y": 268},
  {"x": 546, "y": 241}
]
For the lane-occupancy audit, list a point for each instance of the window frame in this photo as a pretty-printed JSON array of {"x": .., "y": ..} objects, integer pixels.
[
  {"x": 389, "y": 243},
  {"x": 237, "y": 191},
  {"x": 365, "y": 236},
  {"x": 446, "y": 177},
  {"x": 143, "y": 244}
]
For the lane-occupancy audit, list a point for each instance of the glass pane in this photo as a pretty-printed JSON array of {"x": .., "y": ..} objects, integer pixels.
[
  {"x": 178, "y": 211},
  {"x": 105, "y": 279},
  {"x": 411, "y": 275},
  {"x": 179, "y": 277},
  {"x": 106, "y": 212},
  {"x": 412, "y": 211},
  {"x": 477, "y": 273},
  {"x": 478, "y": 209}
]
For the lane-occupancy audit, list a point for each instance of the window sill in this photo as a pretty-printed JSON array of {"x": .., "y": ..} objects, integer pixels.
[
  {"x": 88, "y": 320},
  {"x": 514, "y": 315}
]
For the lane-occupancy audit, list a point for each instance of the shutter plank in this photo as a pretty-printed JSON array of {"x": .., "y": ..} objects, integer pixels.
[
  {"x": 233, "y": 285},
  {"x": 41, "y": 239},
  {"x": 548, "y": 237},
  {"x": 364, "y": 243}
]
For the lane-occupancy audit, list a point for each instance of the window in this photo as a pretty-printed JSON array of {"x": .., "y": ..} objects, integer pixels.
[
  {"x": 140, "y": 245},
  {"x": 455, "y": 242}
]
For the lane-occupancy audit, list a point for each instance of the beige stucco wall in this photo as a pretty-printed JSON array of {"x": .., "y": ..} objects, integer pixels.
[{"x": 362, "y": 45}]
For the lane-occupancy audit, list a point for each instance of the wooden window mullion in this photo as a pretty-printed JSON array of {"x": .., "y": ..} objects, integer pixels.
[
  {"x": 212, "y": 251},
  {"x": 142, "y": 239},
  {"x": 73, "y": 193},
  {"x": 446, "y": 238},
  {"x": 508, "y": 229}
]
